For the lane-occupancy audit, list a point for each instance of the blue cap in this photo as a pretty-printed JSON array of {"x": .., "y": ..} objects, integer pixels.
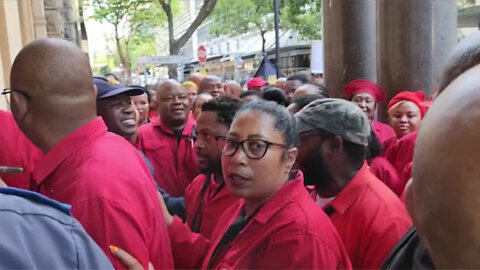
[{"x": 109, "y": 87}]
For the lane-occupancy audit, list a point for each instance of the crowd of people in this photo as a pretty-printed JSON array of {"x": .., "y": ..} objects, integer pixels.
[{"x": 208, "y": 174}]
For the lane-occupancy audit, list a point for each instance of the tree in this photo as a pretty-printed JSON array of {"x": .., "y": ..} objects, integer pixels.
[
  {"x": 176, "y": 44},
  {"x": 233, "y": 18},
  {"x": 305, "y": 16},
  {"x": 130, "y": 18}
]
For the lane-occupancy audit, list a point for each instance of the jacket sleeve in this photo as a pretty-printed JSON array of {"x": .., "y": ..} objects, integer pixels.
[
  {"x": 301, "y": 251},
  {"x": 385, "y": 241},
  {"x": 189, "y": 249},
  {"x": 175, "y": 205},
  {"x": 111, "y": 223},
  {"x": 89, "y": 255}
]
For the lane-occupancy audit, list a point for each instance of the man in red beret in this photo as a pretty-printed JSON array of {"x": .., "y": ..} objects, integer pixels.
[
  {"x": 256, "y": 84},
  {"x": 366, "y": 94}
]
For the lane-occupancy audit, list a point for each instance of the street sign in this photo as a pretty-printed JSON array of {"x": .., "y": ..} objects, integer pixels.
[
  {"x": 162, "y": 60},
  {"x": 202, "y": 54}
]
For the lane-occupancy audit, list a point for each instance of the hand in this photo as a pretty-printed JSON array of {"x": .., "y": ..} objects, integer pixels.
[
  {"x": 128, "y": 260},
  {"x": 166, "y": 215},
  {"x": 2, "y": 184}
]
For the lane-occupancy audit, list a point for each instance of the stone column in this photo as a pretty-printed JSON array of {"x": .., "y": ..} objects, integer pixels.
[
  {"x": 415, "y": 37},
  {"x": 39, "y": 21},
  {"x": 54, "y": 18},
  {"x": 349, "y": 38}
]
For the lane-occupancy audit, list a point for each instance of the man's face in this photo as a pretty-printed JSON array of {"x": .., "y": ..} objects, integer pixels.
[
  {"x": 197, "y": 109},
  {"x": 119, "y": 114},
  {"x": 208, "y": 143},
  {"x": 290, "y": 88},
  {"x": 310, "y": 160},
  {"x": 215, "y": 88},
  {"x": 317, "y": 78},
  {"x": 173, "y": 105}
]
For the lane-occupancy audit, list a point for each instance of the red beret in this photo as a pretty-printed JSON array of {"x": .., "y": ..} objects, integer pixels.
[
  {"x": 255, "y": 82},
  {"x": 364, "y": 86},
  {"x": 418, "y": 98}
]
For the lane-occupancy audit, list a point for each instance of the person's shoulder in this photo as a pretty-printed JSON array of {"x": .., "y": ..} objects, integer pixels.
[
  {"x": 24, "y": 202},
  {"x": 41, "y": 227},
  {"x": 379, "y": 198}
]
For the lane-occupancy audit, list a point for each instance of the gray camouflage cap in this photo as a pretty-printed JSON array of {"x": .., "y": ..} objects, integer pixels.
[{"x": 335, "y": 116}]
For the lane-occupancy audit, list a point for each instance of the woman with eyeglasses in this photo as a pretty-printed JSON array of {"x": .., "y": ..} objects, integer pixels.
[{"x": 279, "y": 225}]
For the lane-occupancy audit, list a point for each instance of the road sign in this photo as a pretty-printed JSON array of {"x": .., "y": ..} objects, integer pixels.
[
  {"x": 162, "y": 60},
  {"x": 202, "y": 54}
]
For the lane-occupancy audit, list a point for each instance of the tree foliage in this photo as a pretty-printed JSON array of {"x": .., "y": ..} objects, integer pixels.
[
  {"x": 233, "y": 18},
  {"x": 305, "y": 16},
  {"x": 132, "y": 20}
]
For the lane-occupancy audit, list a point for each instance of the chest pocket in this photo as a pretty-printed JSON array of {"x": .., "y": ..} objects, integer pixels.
[{"x": 154, "y": 144}]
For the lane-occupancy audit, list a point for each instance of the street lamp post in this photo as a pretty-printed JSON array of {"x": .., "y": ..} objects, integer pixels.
[{"x": 276, "y": 6}]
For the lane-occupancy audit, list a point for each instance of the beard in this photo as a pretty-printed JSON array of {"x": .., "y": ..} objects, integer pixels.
[
  {"x": 211, "y": 168},
  {"x": 315, "y": 172}
]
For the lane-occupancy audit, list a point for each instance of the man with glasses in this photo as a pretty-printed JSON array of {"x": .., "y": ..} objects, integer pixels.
[
  {"x": 97, "y": 172},
  {"x": 206, "y": 197},
  {"x": 168, "y": 141},
  {"x": 212, "y": 85},
  {"x": 368, "y": 216}
]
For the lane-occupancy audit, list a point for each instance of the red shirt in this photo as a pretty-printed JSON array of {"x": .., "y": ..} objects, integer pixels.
[
  {"x": 113, "y": 196},
  {"x": 173, "y": 158},
  {"x": 400, "y": 154},
  {"x": 383, "y": 131},
  {"x": 384, "y": 170},
  {"x": 289, "y": 231},
  {"x": 206, "y": 201},
  {"x": 16, "y": 151},
  {"x": 369, "y": 218}
]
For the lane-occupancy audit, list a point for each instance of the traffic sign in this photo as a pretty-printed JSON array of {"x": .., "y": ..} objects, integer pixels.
[{"x": 202, "y": 54}]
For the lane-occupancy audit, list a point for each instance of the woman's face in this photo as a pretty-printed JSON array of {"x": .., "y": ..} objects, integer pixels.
[
  {"x": 405, "y": 118},
  {"x": 366, "y": 102},
  {"x": 256, "y": 179},
  {"x": 141, "y": 103}
]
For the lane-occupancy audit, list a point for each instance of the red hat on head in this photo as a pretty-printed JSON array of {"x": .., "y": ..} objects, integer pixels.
[
  {"x": 255, "y": 82},
  {"x": 418, "y": 98},
  {"x": 364, "y": 86}
]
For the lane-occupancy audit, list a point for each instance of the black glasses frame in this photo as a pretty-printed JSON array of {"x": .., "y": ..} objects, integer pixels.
[
  {"x": 7, "y": 91},
  {"x": 242, "y": 145}
]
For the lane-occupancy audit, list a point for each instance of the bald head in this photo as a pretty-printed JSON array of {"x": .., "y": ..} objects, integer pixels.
[
  {"x": 56, "y": 77},
  {"x": 52, "y": 66},
  {"x": 234, "y": 88},
  {"x": 212, "y": 85},
  {"x": 196, "y": 78},
  {"x": 465, "y": 55},
  {"x": 173, "y": 104},
  {"x": 446, "y": 176},
  {"x": 310, "y": 89}
]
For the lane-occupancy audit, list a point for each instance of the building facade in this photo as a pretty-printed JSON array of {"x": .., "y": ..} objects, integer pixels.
[{"x": 22, "y": 21}]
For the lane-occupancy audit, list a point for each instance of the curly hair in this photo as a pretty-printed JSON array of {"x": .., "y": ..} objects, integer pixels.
[{"x": 224, "y": 106}]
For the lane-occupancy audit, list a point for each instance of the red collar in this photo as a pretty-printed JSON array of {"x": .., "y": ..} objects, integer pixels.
[
  {"x": 67, "y": 147},
  {"x": 287, "y": 192},
  {"x": 187, "y": 130},
  {"x": 352, "y": 190}
]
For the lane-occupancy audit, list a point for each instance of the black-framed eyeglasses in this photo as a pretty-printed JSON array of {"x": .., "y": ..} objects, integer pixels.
[
  {"x": 253, "y": 148},
  {"x": 8, "y": 91}
]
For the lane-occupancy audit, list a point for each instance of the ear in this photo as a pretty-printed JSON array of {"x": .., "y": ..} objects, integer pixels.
[
  {"x": 95, "y": 90},
  {"x": 409, "y": 199},
  {"x": 334, "y": 145},
  {"x": 19, "y": 106},
  {"x": 290, "y": 157}
]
